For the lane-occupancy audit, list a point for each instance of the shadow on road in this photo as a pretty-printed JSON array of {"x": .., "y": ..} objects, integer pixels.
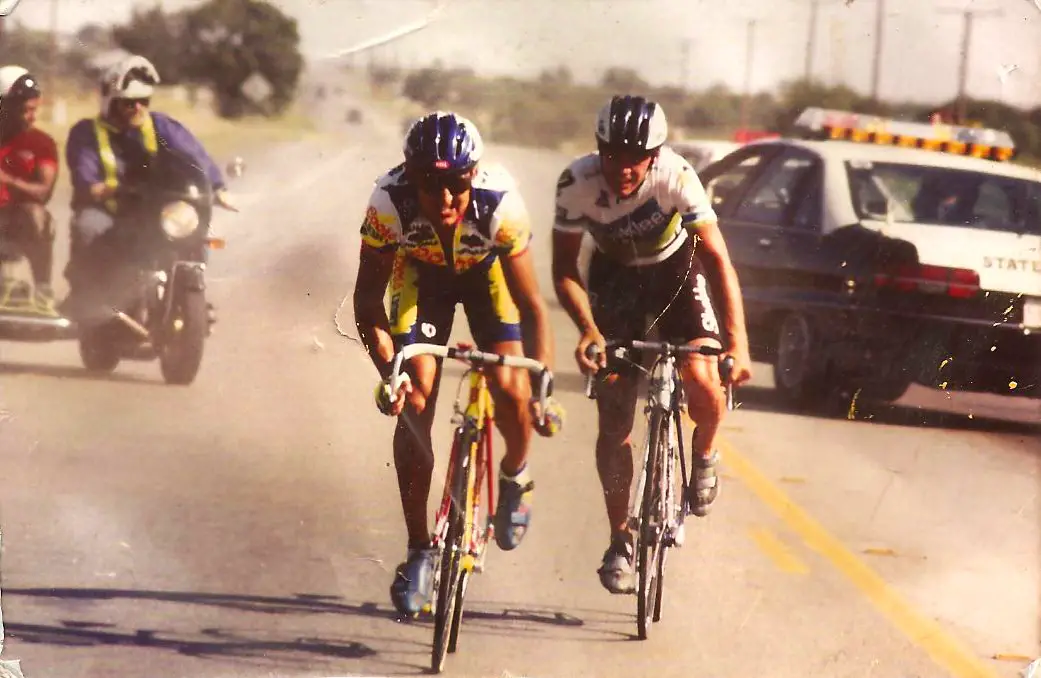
[
  {"x": 77, "y": 373},
  {"x": 759, "y": 399},
  {"x": 481, "y": 618},
  {"x": 208, "y": 642}
]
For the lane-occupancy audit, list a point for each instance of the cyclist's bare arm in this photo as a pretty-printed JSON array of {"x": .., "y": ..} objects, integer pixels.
[
  {"x": 520, "y": 276},
  {"x": 370, "y": 316},
  {"x": 567, "y": 281},
  {"x": 572, "y": 294},
  {"x": 712, "y": 250}
]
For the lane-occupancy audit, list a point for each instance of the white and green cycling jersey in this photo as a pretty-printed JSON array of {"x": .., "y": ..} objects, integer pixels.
[{"x": 645, "y": 228}]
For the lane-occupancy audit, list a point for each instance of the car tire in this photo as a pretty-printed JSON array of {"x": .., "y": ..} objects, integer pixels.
[{"x": 799, "y": 364}]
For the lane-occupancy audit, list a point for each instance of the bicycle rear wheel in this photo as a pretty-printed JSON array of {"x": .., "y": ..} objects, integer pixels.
[
  {"x": 649, "y": 542},
  {"x": 451, "y": 553}
]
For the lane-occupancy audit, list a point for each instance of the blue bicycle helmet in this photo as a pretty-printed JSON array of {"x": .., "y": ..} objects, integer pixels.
[{"x": 443, "y": 142}]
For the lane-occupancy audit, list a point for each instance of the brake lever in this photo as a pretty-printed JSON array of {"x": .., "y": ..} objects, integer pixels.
[
  {"x": 726, "y": 373},
  {"x": 592, "y": 352}
]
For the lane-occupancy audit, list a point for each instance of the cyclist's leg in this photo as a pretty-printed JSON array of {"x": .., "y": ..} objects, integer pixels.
[
  {"x": 38, "y": 236},
  {"x": 616, "y": 406},
  {"x": 691, "y": 318},
  {"x": 418, "y": 313},
  {"x": 495, "y": 324},
  {"x": 614, "y": 293}
]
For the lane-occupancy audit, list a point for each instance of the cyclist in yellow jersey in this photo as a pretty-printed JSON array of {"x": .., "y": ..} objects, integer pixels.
[
  {"x": 441, "y": 231},
  {"x": 657, "y": 248}
]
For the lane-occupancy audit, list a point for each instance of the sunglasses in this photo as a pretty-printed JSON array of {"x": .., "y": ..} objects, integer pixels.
[
  {"x": 132, "y": 103},
  {"x": 626, "y": 156},
  {"x": 457, "y": 184}
]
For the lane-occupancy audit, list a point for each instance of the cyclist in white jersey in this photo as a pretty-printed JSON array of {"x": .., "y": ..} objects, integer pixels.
[{"x": 647, "y": 213}]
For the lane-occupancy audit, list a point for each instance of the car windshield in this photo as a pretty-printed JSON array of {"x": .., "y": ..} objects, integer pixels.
[{"x": 942, "y": 196}]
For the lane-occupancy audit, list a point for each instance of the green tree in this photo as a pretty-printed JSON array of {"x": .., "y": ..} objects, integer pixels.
[
  {"x": 228, "y": 41},
  {"x": 159, "y": 38},
  {"x": 624, "y": 81}
]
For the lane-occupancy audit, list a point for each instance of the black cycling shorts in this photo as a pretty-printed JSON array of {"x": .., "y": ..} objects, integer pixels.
[{"x": 671, "y": 297}]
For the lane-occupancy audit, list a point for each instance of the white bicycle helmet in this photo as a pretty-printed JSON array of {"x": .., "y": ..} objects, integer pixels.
[
  {"x": 17, "y": 83},
  {"x": 631, "y": 123},
  {"x": 132, "y": 78}
]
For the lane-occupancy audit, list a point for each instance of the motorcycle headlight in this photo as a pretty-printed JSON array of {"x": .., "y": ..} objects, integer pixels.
[{"x": 179, "y": 219}]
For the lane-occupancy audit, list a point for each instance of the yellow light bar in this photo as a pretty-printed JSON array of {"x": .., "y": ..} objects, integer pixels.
[{"x": 821, "y": 123}]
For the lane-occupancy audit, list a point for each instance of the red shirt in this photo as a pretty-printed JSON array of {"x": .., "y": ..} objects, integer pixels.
[{"x": 23, "y": 155}]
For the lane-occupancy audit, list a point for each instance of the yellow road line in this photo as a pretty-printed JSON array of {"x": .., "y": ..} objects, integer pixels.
[
  {"x": 921, "y": 630},
  {"x": 775, "y": 549}
]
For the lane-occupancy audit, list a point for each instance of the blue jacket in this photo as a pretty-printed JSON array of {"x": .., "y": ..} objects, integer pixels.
[{"x": 84, "y": 159}]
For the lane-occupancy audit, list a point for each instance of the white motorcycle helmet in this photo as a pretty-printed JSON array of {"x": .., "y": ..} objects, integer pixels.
[
  {"x": 132, "y": 78},
  {"x": 17, "y": 83}
]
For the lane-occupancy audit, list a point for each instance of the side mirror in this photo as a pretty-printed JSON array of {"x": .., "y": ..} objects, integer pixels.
[{"x": 237, "y": 167}]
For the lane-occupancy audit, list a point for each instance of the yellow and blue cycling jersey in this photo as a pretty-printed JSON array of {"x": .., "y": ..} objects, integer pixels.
[{"x": 426, "y": 283}]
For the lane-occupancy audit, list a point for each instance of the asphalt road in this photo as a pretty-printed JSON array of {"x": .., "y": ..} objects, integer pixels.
[{"x": 248, "y": 525}]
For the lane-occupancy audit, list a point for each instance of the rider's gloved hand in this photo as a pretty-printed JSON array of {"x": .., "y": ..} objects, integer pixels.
[
  {"x": 383, "y": 393},
  {"x": 554, "y": 417}
]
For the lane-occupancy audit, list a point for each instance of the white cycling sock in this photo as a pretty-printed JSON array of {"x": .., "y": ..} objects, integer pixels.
[{"x": 521, "y": 477}]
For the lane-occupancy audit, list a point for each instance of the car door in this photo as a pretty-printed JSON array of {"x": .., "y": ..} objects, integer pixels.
[
  {"x": 777, "y": 223},
  {"x": 727, "y": 182}
]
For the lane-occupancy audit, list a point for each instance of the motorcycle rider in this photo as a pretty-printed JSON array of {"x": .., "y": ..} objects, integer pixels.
[
  {"x": 118, "y": 146},
  {"x": 28, "y": 171}
]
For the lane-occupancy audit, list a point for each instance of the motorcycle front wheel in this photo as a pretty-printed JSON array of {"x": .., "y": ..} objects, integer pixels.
[{"x": 182, "y": 351}]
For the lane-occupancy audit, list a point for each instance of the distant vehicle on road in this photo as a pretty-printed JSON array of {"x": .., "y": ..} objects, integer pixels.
[
  {"x": 875, "y": 253},
  {"x": 354, "y": 116}
]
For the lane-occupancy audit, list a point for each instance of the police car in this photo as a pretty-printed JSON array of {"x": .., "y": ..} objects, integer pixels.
[
  {"x": 701, "y": 153},
  {"x": 875, "y": 253}
]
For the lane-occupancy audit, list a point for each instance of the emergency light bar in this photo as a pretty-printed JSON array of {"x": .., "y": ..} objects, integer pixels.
[{"x": 823, "y": 123}]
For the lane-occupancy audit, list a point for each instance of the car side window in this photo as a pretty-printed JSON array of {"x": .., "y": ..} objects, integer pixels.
[
  {"x": 722, "y": 184},
  {"x": 777, "y": 190},
  {"x": 808, "y": 214}
]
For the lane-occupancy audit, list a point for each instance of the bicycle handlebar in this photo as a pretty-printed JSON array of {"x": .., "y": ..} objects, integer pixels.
[
  {"x": 726, "y": 365},
  {"x": 471, "y": 355}
]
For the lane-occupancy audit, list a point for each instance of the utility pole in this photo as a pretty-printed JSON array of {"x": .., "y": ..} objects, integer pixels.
[
  {"x": 749, "y": 54},
  {"x": 53, "y": 65},
  {"x": 684, "y": 64},
  {"x": 876, "y": 64},
  {"x": 811, "y": 40},
  {"x": 968, "y": 18}
]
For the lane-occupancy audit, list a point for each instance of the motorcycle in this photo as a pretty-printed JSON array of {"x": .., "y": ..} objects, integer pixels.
[{"x": 150, "y": 302}]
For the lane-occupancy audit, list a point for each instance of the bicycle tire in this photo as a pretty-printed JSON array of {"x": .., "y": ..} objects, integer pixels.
[
  {"x": 651, "y": 533},
  {"x": 670, "y": 507},
  {"x": 464, "y": 576},
  {"x": 451, "y": 554}
]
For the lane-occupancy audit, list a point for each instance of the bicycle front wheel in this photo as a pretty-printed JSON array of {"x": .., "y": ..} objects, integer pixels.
[
  {"x": 451, "y": 553},
  {"x": 650, "y": 539}
]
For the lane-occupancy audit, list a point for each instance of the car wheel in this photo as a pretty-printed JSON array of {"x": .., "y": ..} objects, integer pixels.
[{"x": 800, "y": 367}]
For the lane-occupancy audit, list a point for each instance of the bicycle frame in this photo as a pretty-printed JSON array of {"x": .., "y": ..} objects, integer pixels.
[
  {"x": 654, "y": 514},
  {"x": 460, "y": 542}
]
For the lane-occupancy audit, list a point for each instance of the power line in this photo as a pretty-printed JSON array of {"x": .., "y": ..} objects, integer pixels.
[{"x": 968, "y": 18}]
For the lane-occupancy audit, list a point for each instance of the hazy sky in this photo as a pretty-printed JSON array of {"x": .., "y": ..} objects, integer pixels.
[{"x": 921, "y": 43}]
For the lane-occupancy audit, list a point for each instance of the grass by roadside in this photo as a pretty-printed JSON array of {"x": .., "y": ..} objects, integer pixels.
[{"x": 222, "y": 138}]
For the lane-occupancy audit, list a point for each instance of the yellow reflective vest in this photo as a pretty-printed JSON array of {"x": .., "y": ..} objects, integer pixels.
[{"x": 108, "y": 157}]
